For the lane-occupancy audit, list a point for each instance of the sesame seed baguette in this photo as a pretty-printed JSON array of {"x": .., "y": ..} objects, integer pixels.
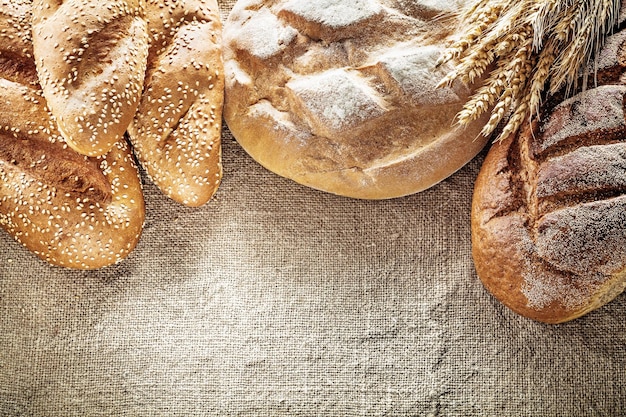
[
  {"x": 69, "y": 209},
  {"x": 91, "y": 59},
  {"x": 176, "y": 130}
]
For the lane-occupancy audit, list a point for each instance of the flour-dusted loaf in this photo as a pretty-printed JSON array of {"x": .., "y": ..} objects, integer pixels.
[
  {"x": 91, "y": 59},
  {"x": 69, "y": 209},
  {"x": 549, "y": 209},
  {"x": 177, "y": 129},
  {"x": 340, "y": 95}
]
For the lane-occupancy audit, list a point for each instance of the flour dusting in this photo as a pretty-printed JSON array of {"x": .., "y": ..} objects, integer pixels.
[
  {"x": 264, "y": 36},
  {"x": 592, "y": 111},
  {"x": 586, "y": 169},
  {"x": 332, "y": 13},
  {"x": 335, "y": 101}
]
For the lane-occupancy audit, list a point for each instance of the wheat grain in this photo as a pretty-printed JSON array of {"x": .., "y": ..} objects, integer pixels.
[
  {"x": 544, "y": 62},
  {"x": 532, "y": 45}
]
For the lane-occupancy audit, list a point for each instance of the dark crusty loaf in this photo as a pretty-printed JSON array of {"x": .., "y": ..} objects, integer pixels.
[
  {"x": 549, "y": 209},
  {"x": 91, "y": 58},
  {"x": 69, "y": 209},
  {"x": 176, "y": 131},
  {"x": 340, "y": 95}
]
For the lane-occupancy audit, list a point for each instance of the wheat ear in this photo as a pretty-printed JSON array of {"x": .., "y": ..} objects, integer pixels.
[{"x": 535, "y": 47}]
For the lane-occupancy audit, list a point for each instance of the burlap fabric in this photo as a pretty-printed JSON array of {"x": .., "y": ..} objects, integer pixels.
[{"x": 278, "y": 300}]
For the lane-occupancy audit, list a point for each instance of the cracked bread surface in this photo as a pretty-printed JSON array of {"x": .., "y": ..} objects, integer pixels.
[{"x": 340, "y": 95}]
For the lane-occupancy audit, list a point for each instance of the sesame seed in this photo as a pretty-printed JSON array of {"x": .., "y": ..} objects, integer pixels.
[{"x": 172, "y": 139}]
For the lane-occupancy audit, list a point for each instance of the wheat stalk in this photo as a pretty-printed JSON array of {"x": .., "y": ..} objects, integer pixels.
[{"x": 533, "y": 46}]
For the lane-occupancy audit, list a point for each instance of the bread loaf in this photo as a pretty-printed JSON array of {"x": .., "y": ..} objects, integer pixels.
[
  {"x": 91, "y": 60},
  {"x": 177, "y": 128},
  {"x": 340, "y": 95},
  {"x": 69, "y": 209},
  {"x": 549, "y": 208}
]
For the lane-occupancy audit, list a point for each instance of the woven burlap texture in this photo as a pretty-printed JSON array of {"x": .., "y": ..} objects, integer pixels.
[{"x": 278, "y": 300}]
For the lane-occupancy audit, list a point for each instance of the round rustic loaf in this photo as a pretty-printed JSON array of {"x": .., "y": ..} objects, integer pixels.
[
  {"x": 69, "y": 209},
  {"x": 340, "y": 95},
  {"x": 549, "y": 208}
]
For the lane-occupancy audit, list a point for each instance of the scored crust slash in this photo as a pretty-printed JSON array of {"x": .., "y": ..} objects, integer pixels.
[{"x": 549, "y": 208}]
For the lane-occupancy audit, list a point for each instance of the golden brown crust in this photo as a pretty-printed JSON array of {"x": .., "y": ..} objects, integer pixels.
[
  {"x": 176, "y": 131},
  {"x": 69, "y": 209},
  {"x": 340, "y": 96},
  {"x": 91, "y": 60},
  {"x": 88, "y": 217},
  {"x": 548, "y": 213}
]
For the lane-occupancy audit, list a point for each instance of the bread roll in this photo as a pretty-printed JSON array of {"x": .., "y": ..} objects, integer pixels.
[
  {"x": 549, "y": 208},
  {"x": 340, "y": 95},
  {"x": 91, "y": 59},
  {"x": 176, "y": 131},
  {"x": 69, "y": 209}
]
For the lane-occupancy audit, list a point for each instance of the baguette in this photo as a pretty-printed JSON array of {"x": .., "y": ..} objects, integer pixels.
[
  {"x": 177, "y": 129},
  {"x": 91, "y": 60}
]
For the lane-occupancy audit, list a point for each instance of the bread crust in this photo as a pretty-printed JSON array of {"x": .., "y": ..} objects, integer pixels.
[
  {"x": 177, "y": 129},
  {"x": 91, "y": 62},
  {"x": 548, "y": 221},
  {"x": 69, "y": 209},
  {"x": 341, "y": 96}
]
